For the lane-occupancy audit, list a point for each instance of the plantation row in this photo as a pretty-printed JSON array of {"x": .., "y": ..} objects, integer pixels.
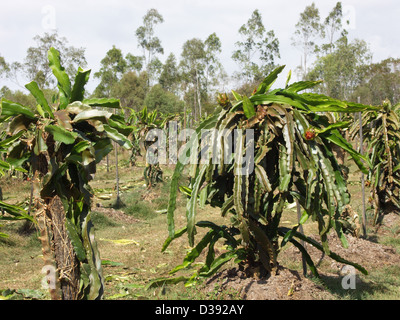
[{"x": 297, "y": 137}]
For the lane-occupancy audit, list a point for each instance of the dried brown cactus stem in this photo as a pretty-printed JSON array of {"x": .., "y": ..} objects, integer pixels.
[
  {"x": 65, "y": 258},
  {"x": 50, "y": 268},
  {"x": 60, "y": 263},
  {"x": 43, "y": 223}
]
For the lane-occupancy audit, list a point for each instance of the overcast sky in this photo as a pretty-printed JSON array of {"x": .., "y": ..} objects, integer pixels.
[{"x": 97, "y": 25}]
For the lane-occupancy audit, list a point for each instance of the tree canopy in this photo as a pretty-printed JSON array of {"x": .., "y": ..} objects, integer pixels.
[
  {"x": 256, "y": 53},
  {"x": 196, "y": 74},
  {"x": 35, "y": 66}
]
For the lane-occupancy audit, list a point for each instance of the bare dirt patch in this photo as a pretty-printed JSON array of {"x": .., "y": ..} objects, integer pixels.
[
  {"x": 390, "y": 225},
  {"x": 361, "y": 251},
  {"x": 292, "y": 285},
  {"x": 285, "y": 285}
]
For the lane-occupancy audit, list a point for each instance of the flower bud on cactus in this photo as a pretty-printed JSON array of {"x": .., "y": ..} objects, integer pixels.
[
  {"x": 310, "y": 134},
  {"x": 223, "y": 100}
]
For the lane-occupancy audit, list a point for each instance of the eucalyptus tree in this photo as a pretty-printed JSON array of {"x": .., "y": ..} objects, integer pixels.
[
  {"x": 264, "y": 151},
  {"x": 154, "y": 70},
  {"x": 134, "y": 63},
  {"x": 132, "y": 89},
  {"x": 4, "y": 67},
  {"x": 170, "y": 77},
  {"x": 158, "y": 99},
  {"x": 257, "y": 51},
  {"x": 35, "y": 66},
  {"x": 113, "y": 66},
  {"x": 333, "y": 27},
  {"x": 199, "y": 71},
  {"x": 62, "y": 142},
  {"x": 192, "y": 71},
  {"x": 343, "y": 70},
  {"x": 213, "y": 69},
  {"x": 381, "y": 81},
  {"x": 308, "y": 30},
  {"x": 150, "y": 44}
]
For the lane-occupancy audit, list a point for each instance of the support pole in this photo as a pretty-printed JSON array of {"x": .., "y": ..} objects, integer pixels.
[
  {"x": 364, "y": 217},
  {"x": 118, "y": 201}
]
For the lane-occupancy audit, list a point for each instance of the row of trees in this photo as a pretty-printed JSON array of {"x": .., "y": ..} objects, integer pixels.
[
  {"x": 345, "y": 66},
  {"x": 191, "y": 80}
]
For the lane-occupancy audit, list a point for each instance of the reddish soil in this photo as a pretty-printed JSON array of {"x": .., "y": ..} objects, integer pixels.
[{"x": 292, "y": 285}]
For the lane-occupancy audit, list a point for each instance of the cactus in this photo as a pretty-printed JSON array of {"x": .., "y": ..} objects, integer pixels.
[
  {"x": 62, "y": 144},
  {"x": 292, "y": 160},
  {"x": 380, "y": 134}
]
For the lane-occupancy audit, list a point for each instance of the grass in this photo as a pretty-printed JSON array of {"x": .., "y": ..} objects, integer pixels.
[
  {"x": 101, "y": 221},
  {"x": 131, "y": 251},
  {"x": 137, "y": 209},
  {"x": 381, "y": 284}
]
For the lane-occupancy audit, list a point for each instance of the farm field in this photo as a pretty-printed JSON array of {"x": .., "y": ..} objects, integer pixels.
[
  {"x": 166, "y": 158},
  {"x": 130, "y": 241}
]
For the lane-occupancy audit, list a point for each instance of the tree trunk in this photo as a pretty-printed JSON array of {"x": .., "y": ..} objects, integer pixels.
[
  {"x": 66, "y": 261},
  {"x": 195, "y": 109},
  {"x": 50, "y": 269},
  {"x": 198, "y": 94},
  {"x": 184, "y": 117}
]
